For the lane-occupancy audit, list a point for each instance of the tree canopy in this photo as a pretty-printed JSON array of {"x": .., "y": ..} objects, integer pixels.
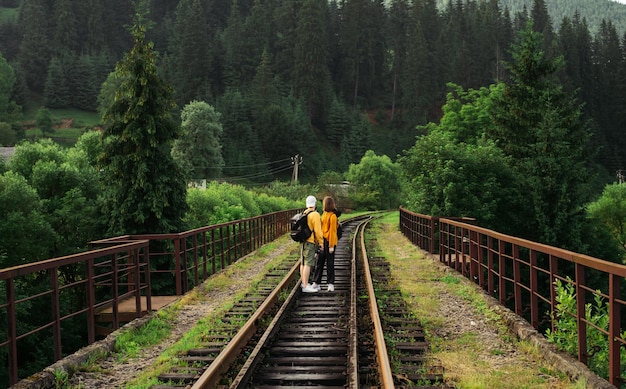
[{"x": 146, "y": 193}]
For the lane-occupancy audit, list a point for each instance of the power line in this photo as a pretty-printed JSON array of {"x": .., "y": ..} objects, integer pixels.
[
  {"x": 248, "y": 166},
  {"x": 260, "y": 174}
]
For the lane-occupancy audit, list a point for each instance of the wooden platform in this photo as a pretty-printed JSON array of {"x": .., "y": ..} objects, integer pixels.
[{"x": 126, "y": 311}]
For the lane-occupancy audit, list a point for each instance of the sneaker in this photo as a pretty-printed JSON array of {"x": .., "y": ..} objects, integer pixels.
[
  {"x": 331, "y": 288},
  {"x": 309, "y": 289},
  {"x": 315, "y": 286}
]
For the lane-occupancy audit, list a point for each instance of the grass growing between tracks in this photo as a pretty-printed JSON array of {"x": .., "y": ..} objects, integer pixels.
[
  {"x": 131, "y": 344},
  {"x": 457, "y": 342},
  {"x": 211, "y": 324}
]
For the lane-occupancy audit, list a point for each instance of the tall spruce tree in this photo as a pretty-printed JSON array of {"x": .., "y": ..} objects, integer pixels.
[
  {"x": 607, "y": 105},
  {"x": 255, "y": 39},
  {"x": 285, "y": 19},
  {"x": 95, "y": 39},
  {"x": 361, "y": 33},
  {"x": 34, "y": 52},
  {"x": 147, "y": 194},
  {"x": 233, "y": 45},
  {"x": 311, "y": 77},
  {"x": 423, "y": 85},
  {"x": 398, "y": 33},
  {"x": 542, "y": 23},
  {"x": 191, "y": 52},
  {"x": 57, "y": 90},
  {"x": 66, "y": 33},
  {"x": 540, "y": 126}
]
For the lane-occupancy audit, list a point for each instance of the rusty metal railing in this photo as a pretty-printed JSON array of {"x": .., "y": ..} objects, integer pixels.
[
  {"x": 42, "y": 300},
  {"x": 183, "y": 260},
  {"x": 423, "y": 230},
  {"x": 37, "y": 300},
  {"x": 521, "y": 274}
]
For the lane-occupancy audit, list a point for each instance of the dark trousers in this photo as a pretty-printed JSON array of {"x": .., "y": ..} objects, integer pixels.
[{"x": 328, "y": 259}]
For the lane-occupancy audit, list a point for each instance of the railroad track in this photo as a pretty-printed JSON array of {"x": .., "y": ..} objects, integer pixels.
[{"x": 280, "y": 337}]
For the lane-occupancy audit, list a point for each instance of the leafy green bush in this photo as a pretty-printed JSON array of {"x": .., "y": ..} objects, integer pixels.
[
  {"x": 292, "y": 191},
  {"x": 565, "y": 334},
  {"x": 221, "y": 202}
]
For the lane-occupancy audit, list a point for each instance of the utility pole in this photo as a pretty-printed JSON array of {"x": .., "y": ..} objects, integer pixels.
[{"x": 295, "y": 161}]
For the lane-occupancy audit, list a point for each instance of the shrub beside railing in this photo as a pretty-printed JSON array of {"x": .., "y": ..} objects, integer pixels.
[{"x": 534, "y": 281}]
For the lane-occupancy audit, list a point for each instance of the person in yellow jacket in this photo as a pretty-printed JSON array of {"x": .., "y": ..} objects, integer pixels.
[
  {"x": 327, "y": 255},
  {"x": 311, "y": 245}
]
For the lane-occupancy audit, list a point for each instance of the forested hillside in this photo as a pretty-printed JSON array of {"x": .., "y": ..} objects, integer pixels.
[
  {"x": 326, "y": 80},
  {"x": 594, "y": 11}
]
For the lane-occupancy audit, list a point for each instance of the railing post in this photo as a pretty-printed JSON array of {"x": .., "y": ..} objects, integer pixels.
[
  {"x": 501, "y": 273},
  {"x": 148, "y": 281},
  {"x": 56, "y": 314},
  {"x": 534, "y": 290},
  {"x": 490, "y": 282},
  {"x": 11, "y": 331},
  {"x": 115, "y": 292},
  {"x": 177, "y": 267},
  {"x": 614, "y": 331},
  {"x": 213, "y": 252},
  {"x": 480, "y": 260},
  {"x": 580, "y": 313},
  {"x": 222, "y": 248},
  {"x": 228, "y": 244},
  {"x": 553, "y": 272},
  {"x": 432, "y": 235},
  {"x": 91, "y": 301},
  {"x": 196, "y": 269},
  {"x": 136, "y": 280},
  {"x": 517, "y": 279},
  {"x": 204, "y": 256}
]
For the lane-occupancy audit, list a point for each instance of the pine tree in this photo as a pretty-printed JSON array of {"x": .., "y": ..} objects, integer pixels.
[
  {"x": 540, "y": 127},
  {"x": 361, "y": 44},
  {"x": 147, "y": 194},
  {"x": 423, "y": 85},
  {"x": 240, "y": 144},
  {"x": 263, "y": 90},
  {"x": 85, "y": 83},
  {"x": 191, "y": 55},
  {"x": 398, "y": 32},
  {"x": 542, "y": 23},
  {"x": 65, "y": 36},
  {"x": 606, "y": 104},
  {"x": 57, "y": 90},
  {"x": 34, "y": 52},
  {"x": 95, "y": 39},
  {"x": 233, "y": 46},
  {"x": 255, "y": 39},
  {"x": 311, "y": 75},
  {"x": 338, "y": 122},
  {"x": 285, "y": 19}
]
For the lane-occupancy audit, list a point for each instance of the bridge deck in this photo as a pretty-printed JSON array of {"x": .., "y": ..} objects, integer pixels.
[{"x": 127, "y": 311}]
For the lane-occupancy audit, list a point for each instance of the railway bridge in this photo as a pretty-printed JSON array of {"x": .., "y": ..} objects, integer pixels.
[{"x": 127, "y": 277}]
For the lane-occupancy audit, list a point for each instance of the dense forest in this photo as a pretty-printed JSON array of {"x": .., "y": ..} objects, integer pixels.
[
  {"x": 325, "y": 80},
  {"x": 466, "y": 109}
]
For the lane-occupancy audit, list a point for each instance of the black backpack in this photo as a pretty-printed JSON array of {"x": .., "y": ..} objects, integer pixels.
[
  {"x": 339, "y": 228},
  {"x": 300, "y": 230}
]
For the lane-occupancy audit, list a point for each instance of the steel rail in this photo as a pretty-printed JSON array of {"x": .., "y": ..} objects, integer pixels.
[
  {"x": 211, "y": 376},
  {"x": 384, "y": 367},
  {"x": 353, "y": 342},
  {"x": 248, "y": 367}
]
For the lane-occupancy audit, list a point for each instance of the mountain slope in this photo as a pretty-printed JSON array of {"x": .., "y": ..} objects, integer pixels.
[{"x": 592, "y": 10}]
